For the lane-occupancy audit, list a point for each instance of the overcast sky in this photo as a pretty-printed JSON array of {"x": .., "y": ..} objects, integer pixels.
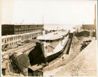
[{"x": 48, "y": 11}]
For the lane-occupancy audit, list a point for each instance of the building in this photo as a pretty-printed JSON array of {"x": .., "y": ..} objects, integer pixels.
[
  {"x": 88, "y": 27},
  {"x": 7, "y": 29},
  {"x": 10, "y": 29},
  {"x": 15, "y": 35}
]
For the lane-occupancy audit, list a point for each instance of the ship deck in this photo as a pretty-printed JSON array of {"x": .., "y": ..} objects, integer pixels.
[
  {"x": 52, "y": 36},
  {"x": 50, "y": 46}
]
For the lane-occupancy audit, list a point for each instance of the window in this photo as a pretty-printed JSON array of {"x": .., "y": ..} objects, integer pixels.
[{"x": 2, "y": 40}]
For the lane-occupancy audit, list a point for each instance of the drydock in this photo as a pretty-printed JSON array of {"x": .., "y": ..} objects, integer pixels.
[
  {"x": 42, "y": 55},
  {"x": 36, "y": 57}
]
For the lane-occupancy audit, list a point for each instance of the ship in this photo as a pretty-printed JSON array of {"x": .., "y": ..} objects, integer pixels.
[{"x": 48, "y": 47}]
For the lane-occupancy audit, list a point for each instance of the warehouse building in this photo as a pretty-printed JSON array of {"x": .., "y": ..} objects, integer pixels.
[
  {"x": 10, "y": 29},
  {"x": 14, "y": 35}
]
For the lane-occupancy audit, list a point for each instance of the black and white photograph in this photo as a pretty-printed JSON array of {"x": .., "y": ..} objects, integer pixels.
[{"x": 48, "y": 38}]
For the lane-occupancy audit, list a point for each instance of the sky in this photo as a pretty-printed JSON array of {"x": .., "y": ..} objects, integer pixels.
[{"x": 66, "y": 12}]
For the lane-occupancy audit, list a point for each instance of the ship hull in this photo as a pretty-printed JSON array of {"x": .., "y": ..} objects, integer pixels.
[
  {"x": 56, "y": 55},
  {"x": 37, "y": 56}
]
